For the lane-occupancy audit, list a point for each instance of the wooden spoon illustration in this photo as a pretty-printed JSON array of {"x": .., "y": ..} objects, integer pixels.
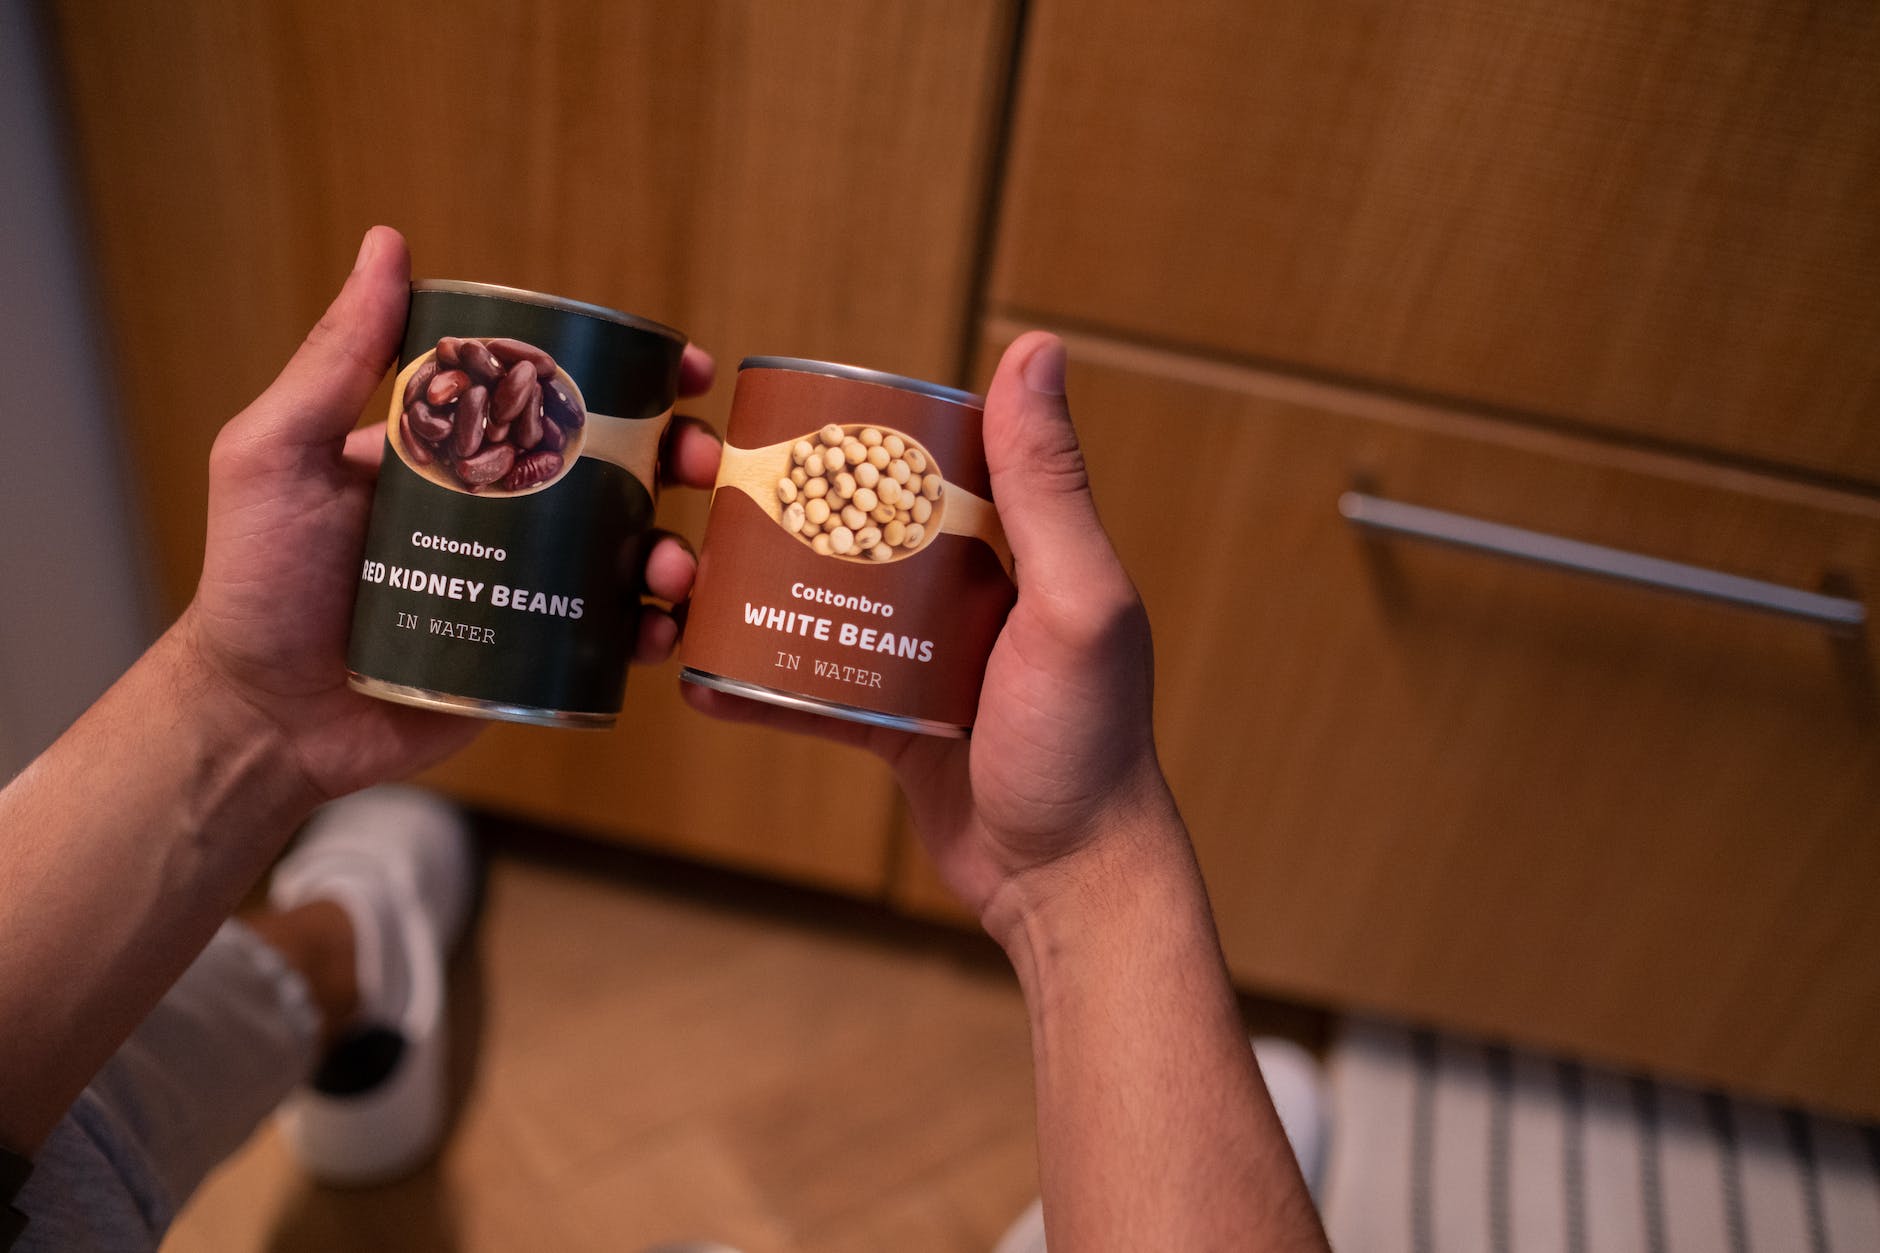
[
  {"x": 757, "y": 471},
  {"x": 629, "y": 444}
]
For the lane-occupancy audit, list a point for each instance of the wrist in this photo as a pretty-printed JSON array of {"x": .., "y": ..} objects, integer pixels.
[
  {"x": 1134, "y": 868},
  {"x": 251, "y": 750}
]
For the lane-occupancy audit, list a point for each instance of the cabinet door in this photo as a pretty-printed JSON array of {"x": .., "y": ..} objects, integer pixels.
[
  {"x": 801, "y": 179},
  {"x": 1649, "y": 216},
  {"x": 1493, "y": 795}
]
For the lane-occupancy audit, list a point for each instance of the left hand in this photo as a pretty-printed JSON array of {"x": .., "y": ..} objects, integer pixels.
[{"x": 290, "y": 489}]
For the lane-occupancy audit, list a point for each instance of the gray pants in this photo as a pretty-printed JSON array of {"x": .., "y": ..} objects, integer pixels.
[{"x": 195, "y": 1079}]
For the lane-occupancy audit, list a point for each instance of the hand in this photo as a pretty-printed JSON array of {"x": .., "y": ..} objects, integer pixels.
[
  {"x": 1062, "y": 759},
  {"x": 290, "y": 488}
]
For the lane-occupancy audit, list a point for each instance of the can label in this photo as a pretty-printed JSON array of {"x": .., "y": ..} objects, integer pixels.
[
  {"x": 520, "y": 472},
  {"x": 852, "y": 555}
]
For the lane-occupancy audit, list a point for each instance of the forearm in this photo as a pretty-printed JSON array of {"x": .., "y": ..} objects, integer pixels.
[
  {"x": 122, "y": 848},
  {"x": 1155, "y": 1130}
]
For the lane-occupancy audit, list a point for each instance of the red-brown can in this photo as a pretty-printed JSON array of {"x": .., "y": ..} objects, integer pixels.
[{"x": 853, "y": 563}]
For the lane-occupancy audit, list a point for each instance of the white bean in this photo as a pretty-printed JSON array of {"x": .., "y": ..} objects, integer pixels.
[
  {"x": 867, "y": 475},
  {"x": 793, "y": 518},
  {"x": 865, "y": 498},
  {"x": 841, "y": 540},
  {"x": 831, "y": 434},
  {"x": 817, "y": 511}
]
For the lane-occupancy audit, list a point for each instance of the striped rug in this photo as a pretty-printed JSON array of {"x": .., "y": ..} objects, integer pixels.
[{"x": 1440, "y": 1145}]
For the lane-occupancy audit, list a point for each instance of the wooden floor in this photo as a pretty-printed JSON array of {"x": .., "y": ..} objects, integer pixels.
[{"x": 662, "y": 1054}]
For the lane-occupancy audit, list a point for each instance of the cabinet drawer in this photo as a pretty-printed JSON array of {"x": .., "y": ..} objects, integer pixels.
[
  {"x": 1498, "y": 796},
  {"x": 1644, "y": 216}
]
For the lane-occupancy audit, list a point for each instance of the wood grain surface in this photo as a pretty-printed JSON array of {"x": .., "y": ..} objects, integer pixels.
[
  {"x": 1502, "y": 798},
  {"x": 1645, "y": 217},
  {"x": 805, "y": 180}
]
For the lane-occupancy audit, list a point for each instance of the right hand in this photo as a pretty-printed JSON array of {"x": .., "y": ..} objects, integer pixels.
[{"x": 1061, "y": 764}]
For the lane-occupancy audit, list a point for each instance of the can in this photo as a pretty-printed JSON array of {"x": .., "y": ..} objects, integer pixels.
[
  {"x": 521, "y": 465},
  {"x": 853, "y": 564}
]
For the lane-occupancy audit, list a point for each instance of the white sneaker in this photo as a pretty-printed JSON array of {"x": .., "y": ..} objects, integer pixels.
[
  {"x": 398, "y": 860},
  {"x": 1298, "y": 1091}
]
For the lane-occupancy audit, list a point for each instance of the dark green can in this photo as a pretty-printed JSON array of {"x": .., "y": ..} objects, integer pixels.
[{"x": 520, "y": 475}]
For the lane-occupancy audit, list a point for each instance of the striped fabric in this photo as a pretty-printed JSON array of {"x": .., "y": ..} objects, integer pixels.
[{"x": 1441, "y": 1145}]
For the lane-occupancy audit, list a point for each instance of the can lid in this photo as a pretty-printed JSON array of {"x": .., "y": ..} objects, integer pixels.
[
  {"x": 862, "y": 374},
  {"x": 523, "y": 295}
]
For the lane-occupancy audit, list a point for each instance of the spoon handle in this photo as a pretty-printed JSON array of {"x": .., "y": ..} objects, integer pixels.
[{"x": 974, "y": 517}]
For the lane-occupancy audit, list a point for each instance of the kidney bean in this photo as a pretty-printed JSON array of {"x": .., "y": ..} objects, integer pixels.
[
  {"x": 529, "y": 425},
  {"x": 489, "y": 414},
  {"x": 420, "y": 379},
  {"x": 446, "y": 387},
  {"x": 430, "y": 425},
  {"x": 510, "y": 351},
  {"x": 531, "y": 469},
  {"x": 559, "y": 403},
  {"x": 487, "y": 466},
  {"x": 476, "y": 359},
  {"x": 515, "y": 391},
  {"x": 415, "y": 448},
  {"x": 472, "y": 412}
]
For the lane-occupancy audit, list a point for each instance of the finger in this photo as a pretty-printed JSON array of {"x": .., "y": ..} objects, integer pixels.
[
  {"x": 317, "y": 398},
  {"x": 696, "y": 368},
  {"x": 670, "y": 569},
  {"x": 365, "y": 447},
  {"x": 692, "y": 453},
  {"x": 657, "y": 634},
  {"x": 1038, "y": 476}
]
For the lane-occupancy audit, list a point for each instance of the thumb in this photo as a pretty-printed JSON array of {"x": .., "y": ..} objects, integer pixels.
[
  {"x": 1039, "y": 480},
  {"x": 318, "y": 396}
]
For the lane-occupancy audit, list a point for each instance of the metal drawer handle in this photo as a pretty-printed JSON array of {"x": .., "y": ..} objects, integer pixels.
[{"x": 1378, "y": 514}]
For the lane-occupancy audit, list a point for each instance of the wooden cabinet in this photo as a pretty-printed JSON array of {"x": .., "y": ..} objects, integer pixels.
[
  {"x": 802, "y": 179},
  {"x": 1651, "y": 218},
  {"x": 1487, "y": 794},
  {"x": 1605, "y": 271}
]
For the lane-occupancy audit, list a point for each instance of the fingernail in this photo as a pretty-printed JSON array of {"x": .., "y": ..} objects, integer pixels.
[
  {"x": 1044, "y": 373},
  {"x": 366, "y": 246}
]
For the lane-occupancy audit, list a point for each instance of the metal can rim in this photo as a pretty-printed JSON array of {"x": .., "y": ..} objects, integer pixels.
[
  {"x": 862, "y": 374},
  {"x": 523, "y": 295}
]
